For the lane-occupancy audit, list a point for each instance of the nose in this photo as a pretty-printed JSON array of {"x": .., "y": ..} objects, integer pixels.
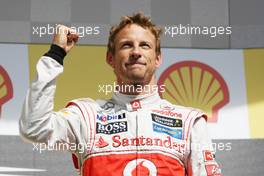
[{"x": 135, "y": 53}]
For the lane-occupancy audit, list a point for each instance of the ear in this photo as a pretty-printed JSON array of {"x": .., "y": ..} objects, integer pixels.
[
  {"x": 158, "y": 60},
  {"x": 110, "y": 59}
]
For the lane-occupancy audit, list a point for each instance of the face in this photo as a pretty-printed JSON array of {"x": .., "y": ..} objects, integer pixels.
[{"x": 135, "y": 59}]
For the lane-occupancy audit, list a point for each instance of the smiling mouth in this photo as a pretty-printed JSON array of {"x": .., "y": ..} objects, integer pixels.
[{"x": 135, "y": 64}]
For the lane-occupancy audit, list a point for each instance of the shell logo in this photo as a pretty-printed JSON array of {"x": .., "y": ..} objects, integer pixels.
[
  {"x": 6, "y": 88},
  {"x": 195, "y": 84}
]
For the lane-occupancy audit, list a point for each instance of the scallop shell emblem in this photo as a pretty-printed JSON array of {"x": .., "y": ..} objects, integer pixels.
[
  {"x": 195, "y": 84},
  {"x": 6, "y": 88}
]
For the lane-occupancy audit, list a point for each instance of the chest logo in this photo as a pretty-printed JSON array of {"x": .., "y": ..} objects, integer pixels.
[
  {"x": 175, "y": 133},
  {"x": 101, "y": 143},
  {"x": 135, "y": 105},
  {"x": 170, "y": 122},
  {"x": 140, "y": 167},
  {"x": 108, "y": 118},
  {"x": 111, "y": 128}
]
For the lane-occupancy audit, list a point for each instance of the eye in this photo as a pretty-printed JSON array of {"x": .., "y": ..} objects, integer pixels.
[
  {"x": 145, "y": 45},
  {"x": 126, "y": 45}
]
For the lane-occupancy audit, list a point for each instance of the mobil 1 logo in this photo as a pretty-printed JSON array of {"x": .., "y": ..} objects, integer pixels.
[
  {"x": 111, "y": 128},
  {"x": 108, "y": 118}
]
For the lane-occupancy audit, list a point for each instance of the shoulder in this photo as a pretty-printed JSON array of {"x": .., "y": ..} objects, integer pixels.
[
  {"x": 183, "y": 111},
  {"x": 83, "y": 103},
  {"x": 97, "y": 105}
]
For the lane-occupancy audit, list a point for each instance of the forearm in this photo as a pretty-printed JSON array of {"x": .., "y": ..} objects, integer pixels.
[
  {"x": 38, "y": 106},
  {"x": 202, "y": 160},
  {"x": 39, "y": 123}
]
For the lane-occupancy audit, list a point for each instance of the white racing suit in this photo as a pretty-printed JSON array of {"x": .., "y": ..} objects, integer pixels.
[{"x": 124, "y": 136}]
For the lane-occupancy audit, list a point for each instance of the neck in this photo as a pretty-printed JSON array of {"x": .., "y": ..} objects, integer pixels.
[{"x": 137, "y": 88}]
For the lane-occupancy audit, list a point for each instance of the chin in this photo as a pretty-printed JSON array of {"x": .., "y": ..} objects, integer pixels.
[
  {"x": 137, "y": 76},
  {"x": 139, "y": 79}
]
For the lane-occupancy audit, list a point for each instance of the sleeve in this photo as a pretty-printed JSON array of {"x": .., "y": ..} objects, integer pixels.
[
  {"x": 202, "y": 157},
  {"x": 38, "y": 122}
]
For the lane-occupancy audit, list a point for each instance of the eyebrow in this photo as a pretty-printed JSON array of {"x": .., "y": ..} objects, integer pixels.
[{"x": 130, "y": 41}]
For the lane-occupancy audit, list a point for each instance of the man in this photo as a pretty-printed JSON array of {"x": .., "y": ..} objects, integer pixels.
[{"x": 134, "y": 133}]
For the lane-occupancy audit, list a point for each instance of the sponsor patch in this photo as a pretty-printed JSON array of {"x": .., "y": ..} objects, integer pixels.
[
  {"x": 166, "y": 142},
  {"x": 111, "y": 128},
  {"x": 208, "y": 155},
  {"x": 140, "y": 167},
  {"x": 175, "y": 133},
  {"x": 167, "y": 113},
  {"x": 107, "y": 118},
  {"x": 170, "y": 122},
  {"x": 135, "y": 105},
  {"x": 101, "y": 143},
  {"x": 213, "y": 169}
]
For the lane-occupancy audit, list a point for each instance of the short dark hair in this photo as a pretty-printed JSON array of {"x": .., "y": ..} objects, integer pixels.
[{"x": 139, "y": 19}]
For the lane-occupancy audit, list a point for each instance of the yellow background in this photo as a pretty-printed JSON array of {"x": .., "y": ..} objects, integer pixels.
[
  {"x": 84, "y": 70},
  {"x": 254, "y": 69}
]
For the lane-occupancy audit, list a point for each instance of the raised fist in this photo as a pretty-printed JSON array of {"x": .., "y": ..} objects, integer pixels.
[{"x": 65, "y": 37}]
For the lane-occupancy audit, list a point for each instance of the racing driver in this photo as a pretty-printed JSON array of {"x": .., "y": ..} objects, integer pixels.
[{"x": 135, "y": 133}]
